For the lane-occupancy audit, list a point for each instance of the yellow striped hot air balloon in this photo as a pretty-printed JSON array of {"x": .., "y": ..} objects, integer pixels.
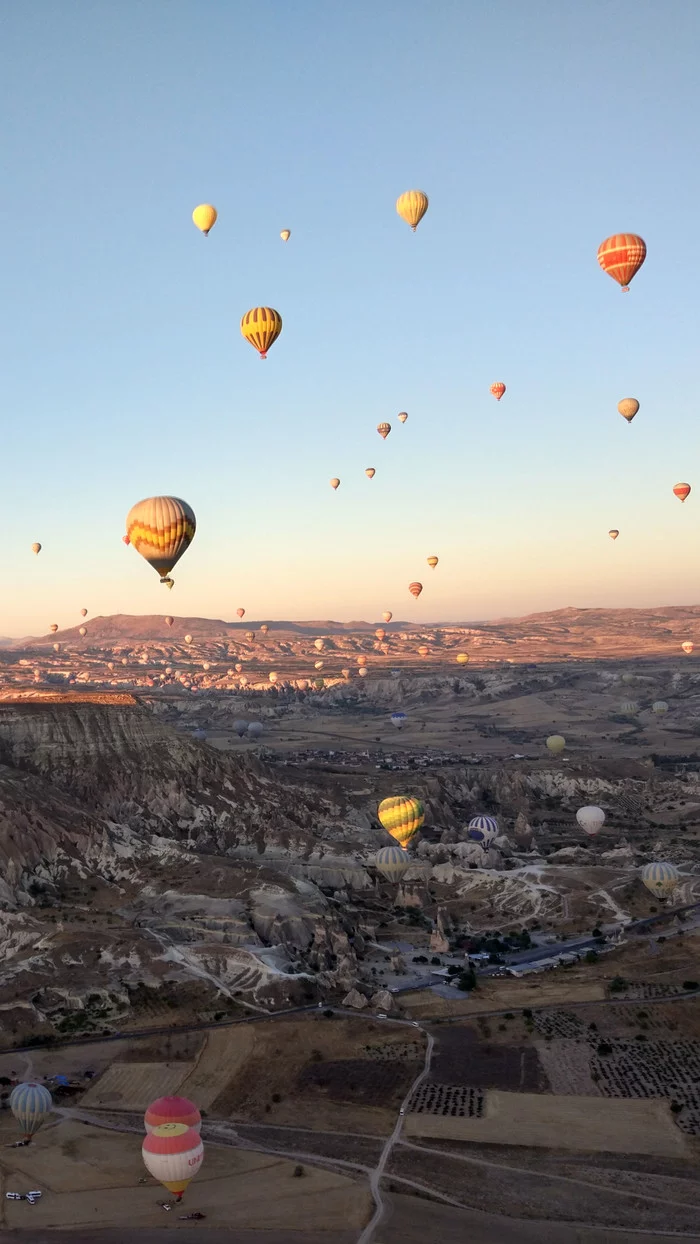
[
  {"x": 204, "y": 217},
  {"x": 261, "y": 326},
  {"x": 161, "y": 529},
  {"x": 462, "y": 658},
  {"x": 402, "y": 817},
  {"x": 432, "y": 562},
  {"x": 412, "y": 206}
]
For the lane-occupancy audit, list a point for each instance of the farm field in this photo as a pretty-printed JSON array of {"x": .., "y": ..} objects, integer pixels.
[{"x": 578, "y": 1123}]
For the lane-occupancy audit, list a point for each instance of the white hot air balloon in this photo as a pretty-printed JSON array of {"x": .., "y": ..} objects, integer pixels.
[{"x": 591, "y": 820}]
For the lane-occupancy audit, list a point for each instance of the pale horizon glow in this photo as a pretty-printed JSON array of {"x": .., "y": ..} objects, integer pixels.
[{"x": 124, "y": 372}]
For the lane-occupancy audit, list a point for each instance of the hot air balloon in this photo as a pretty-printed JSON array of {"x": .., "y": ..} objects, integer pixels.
[
  {"x": 335, "y": 482},
  {"x": 204, "y": 217},
  {"x": 240, "y": 613},
  {"x": 423, "y": 650},
  {"x": 346, "y": 673},
  {"x": 384, "y": 429},
  {"x": 687, "y": 646},
  {"x": 250, "y": 636},
  {"x": 261, "y": 327},
  {"x": 402, "y": 416},
  {"x": 318, "y": 665},
  {"x": 172, "y": 1154},
  {"x": 415, "y": 589},
  {"x": 398, "y": 720},
  {"x": 238, "y": 667},
  {"x": 370, "y": 472},
  {"x": 264, "y": 628},
  {"x": 206, "y": 665},
  {"x": 681, "y": 491},
  {"x": 621, "y": 256},
  {"x": 319, "y": 645},
  {"x": 161, "y": 529},
  {"x": 591, "y": 820},
  {"x": 392, "y": 862},
  {"x": 629, "y": 708},
  {"x": 628, "y": 679},
  {"x": 659, "y": 707},
  {"x": 82, "y": 630},
  {"x": 30, "y": 1103},
  {"x": 628, "y": 408},
  {"x": 240, "y": 727},
  {"x": 188, "y": 639},
  {"x": 172, "y": 1110},
  {"x": 402, "y": 817},
  {"x": 57, "y": 647},
  {"x": 273, "y": 676},
  {"x": 661, "y": 878},
  {"x": 482, "y": 829},
  {"x": 36, "y": 548},
  {"x": 125, "y": 660},
  {"x": 361, "y": 661},
  {"x": 255, "y": 728},
  {"x": 169, "y": 621},
  {"x": 412, "y": 206},
  {"x": 83, "y": 613},
  {"x": 53, "y": 627},
  {"x": 556, "y": 743},
  {"x": 498, "y": 389},
  {"x": 432, "y": 562},
  {"x": 380, "y": 634},
  {"x": 462, "y": 658},
  {"x": 362, "y": 672},
  {"x": 613, "y": 533},
  {"x": 286, "y": 235},
  {"x": 387, "y": 615}
]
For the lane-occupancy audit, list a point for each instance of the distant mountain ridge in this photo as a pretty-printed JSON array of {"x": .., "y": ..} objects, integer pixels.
[{"x": 675, "y": 619}]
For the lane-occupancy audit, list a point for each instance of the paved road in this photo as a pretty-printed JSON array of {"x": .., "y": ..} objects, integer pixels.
[{"x": 377, "y": 1174}]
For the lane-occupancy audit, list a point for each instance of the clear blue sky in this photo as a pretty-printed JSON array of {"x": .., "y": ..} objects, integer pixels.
[{"x": 536, "y": 129}]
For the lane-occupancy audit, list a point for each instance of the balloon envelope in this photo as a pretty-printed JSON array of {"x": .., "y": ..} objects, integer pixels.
[
  {"x": 286, "y": 235},
  {"x": 681, "y": 491},
  {"x": 462, "y": 658},
  {"x": 432, "y": 562},
  {"x": 402, "y": 816},
  {"x": 591, "y": 819},
  {"x": 387, "y": 615},
  {"x": 613, "y": 533},
  {"x": 412, "y": 206},
  {"x": 161, "y": 529},
  {"x": 36, "y": 548},
  {"x": 660, "y": 878},
  {"x": 556, "y": 743},
  {"x": 498, "y": 389},
  {"x": 659, "y": 707},
  {"x": 204, "y": 217},
  {"x": 687, "y": 646},
  {"x": 172, "y": 1110},
  {"x": 398, "y": 720},
  {"x": 370, "y": 472},
  {"x": 240, "y": 613},
  {"x": 621, "y": 256},
  {"x": 415, "y": 589},
  {"x": 402, "y": 416},
  {"x": 392, "y": 862},
  {"x": 628, "y": 408},
  {"x": 30, "y": 1103},
  {"x": 173, "y": 1154},
  {"x": 384, "y": 429},
  {"x": 261, "y": 326},
  {"x": 334, "y": 483},
  {"x": 482, "y": 829}
]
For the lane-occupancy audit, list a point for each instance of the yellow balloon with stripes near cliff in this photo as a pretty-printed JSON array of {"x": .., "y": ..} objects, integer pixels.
[
  {"x": 161, "y": 529},
  {"x": 402, "y": 817}
]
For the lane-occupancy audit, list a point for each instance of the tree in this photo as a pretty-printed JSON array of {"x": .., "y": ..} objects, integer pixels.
[{"x": 591, "y": 956}]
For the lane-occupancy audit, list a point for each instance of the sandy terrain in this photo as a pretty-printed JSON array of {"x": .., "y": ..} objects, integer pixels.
[
  {"x": 622, "y": 1126},
  {"x": 84, "y": 1172}
]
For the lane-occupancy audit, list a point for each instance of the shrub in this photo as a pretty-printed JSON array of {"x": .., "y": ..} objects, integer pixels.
[
  {"x": 690, "y": 985},
  {"x": 591, "y": 956},
  {"x": 298, "y": 1172},
  {"x": 604, "y": 1048},
  {"x": 676, "y": 1107}
]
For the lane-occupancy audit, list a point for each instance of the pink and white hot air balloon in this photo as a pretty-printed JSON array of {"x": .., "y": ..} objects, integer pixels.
[{"x": 172, "y": 1154}]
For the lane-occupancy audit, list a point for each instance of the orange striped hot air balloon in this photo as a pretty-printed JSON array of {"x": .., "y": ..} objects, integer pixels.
[
  {"x": 415, "y": 589},
  {"x": 681, "y": 491},
  {"x": 261, "y": 326},
  {"x": 498, "y": 389},
  {"x": 621, "y": 256}
]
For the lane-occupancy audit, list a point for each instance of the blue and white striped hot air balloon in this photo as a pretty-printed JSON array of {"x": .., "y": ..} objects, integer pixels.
[
  {"x": 398, "y": 720},
  {"x": 661, "y": 878},
  {"x": 482, "y": 829},
  {"x": 30, "y": 1103}
]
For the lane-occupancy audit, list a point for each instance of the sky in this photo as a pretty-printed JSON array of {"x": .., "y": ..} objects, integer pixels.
[{"x": 536, "y": 130}]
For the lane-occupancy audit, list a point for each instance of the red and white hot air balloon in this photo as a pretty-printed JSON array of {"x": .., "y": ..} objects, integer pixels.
[
  {"x": 498, "y": 389},
  {"x": 621, "y": 256},
  {"x": 681, "y": 491},
  {"x": 173, "y": 1153},
  {"x": 415, "y": 589}
]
